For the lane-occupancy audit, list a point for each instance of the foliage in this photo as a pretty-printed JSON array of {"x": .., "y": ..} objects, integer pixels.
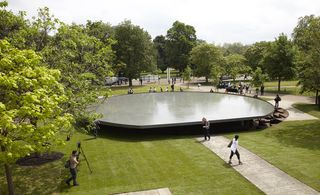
[
  {"x": 279, "y": 60},
  {"x": 234, "y": 48},
  {"x": 258, "y": 77},
  {"x": 186, "y": 75},
  {"x": 181, "y": 38},
  {"x": 134, "y": 48},
  {"x": 84, "y": 62},
  {"x": 307, "y": 36},
  {"x": 31, "y": 114},
  {"x": 160, "y": 45},
  {"x": 100, "y": 30},
  {"x": 205, "y": 57},
  {"x": 235, "y": 65},
  {"x": 255, "y": 54}
]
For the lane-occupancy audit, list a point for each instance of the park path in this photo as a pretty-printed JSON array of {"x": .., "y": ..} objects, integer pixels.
[
  {"x": 262, "y": 174},
  {"x": 161, "y": 191}
]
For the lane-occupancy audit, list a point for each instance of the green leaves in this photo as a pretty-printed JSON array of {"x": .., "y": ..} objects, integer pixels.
[{"x": 30, "y": 103}]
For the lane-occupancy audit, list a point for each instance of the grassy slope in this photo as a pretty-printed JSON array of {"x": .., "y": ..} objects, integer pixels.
[{"x": 291, "y": 146}]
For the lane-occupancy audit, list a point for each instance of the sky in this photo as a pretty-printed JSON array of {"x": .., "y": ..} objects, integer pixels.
[{"x": 215, "y": 21}]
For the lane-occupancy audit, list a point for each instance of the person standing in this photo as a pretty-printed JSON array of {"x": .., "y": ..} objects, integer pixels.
[
  {"x": 206, "y": 127},
  {"x": 262, "y": 90},
  {"x": 277, "y": 100},
  {"x": 234, "y": 149},
  {"x": 73, "y": 168}
]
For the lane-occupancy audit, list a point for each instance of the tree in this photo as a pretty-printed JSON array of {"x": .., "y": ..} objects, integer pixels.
[
  {"x": 205, "y": 56},
  {"x": 236, "y": 64},
  {"x": 30, "y": 106},
  {"x": 306, "y": 36},
  {"x": 160, "y": 45},
  {"x": 186, "y": 75},
  {"x": 279, "y": 60},
  {"x": 254, "y": 54},
  {"x": 43, "y": 25},
  {"x": 84, "y": 62},
  {"x": 181, "y": 39},
  {"x": 216, "y": 73},
  {"x": 234, "y": 48},
  {"x": 102, "y": 31},
  {"x": 258, "y": 77},
  {"x": 134, "y": 48}
]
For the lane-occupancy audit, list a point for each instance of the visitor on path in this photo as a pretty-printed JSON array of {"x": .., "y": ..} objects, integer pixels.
[
  {"x": 262, "y": 90},
  {"x": 211, "y": 90},
  {"x": 172, "y": 87},
  {"x": 167, "y": 90},
  {"x": 161, "y": 90},
  {"x": 206, "y": 127},
  {"x": 234, "y": 150},
  {"x": 73, "y": 168},
  {"x": 277, "y": 100}
]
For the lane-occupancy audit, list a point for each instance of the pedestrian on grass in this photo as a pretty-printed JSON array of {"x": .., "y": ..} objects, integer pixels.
[
  {"x": 73, "y": 168},
  {"x": 206, "y": 127},
  {"x": 234, "y": 149}
]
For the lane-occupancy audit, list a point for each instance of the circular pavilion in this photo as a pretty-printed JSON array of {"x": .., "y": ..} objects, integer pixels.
[{"x": 170, "y": 109}]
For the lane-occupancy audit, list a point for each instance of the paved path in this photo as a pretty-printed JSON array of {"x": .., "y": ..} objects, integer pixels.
[
  {"x": 265, "y": 176},
  {"x": 294, "y": 114},
  {"x": 161, "y": 191}
]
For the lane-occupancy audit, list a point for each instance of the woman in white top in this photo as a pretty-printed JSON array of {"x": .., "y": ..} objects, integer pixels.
[{"x": 234, "y": 149}]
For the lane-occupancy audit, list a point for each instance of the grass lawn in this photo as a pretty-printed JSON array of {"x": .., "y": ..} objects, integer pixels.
[
  {"x": 283, "y": 83},
  {"x": 288, "y": 90},
  {"x": 123, "y": 163},
  {"x": 117, "y": 90},
  {"x": 292, "y": 146}
]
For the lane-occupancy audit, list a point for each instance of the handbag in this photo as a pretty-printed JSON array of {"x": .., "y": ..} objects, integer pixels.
[
  {"x": 67, "y": 164},
  {"x": 229, "y": 145}
]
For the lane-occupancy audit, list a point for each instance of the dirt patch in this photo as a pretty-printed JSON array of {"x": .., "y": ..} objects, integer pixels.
[{"x": 39, "y": 159}]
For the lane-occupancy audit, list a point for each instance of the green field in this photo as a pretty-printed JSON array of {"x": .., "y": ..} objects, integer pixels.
[
  {"x": 123, "y": 163},
  {"x": 291, "y": 146}
]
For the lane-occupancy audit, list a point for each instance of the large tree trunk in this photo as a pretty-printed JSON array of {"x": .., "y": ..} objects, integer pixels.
[
  {"x": 130, "y": 82},
  {"x": 8, "y": 176},
  {"x": 207, "y": 80},
  {"x": 279, "y": 81}
]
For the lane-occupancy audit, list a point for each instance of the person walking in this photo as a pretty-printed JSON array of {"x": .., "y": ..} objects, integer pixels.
[
  {"x": 73, "y": 168},
  {"x": 206, "y": 127},
  {"x": 234, "y": 150}
]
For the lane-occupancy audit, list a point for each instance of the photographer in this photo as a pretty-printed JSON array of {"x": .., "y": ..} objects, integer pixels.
[{"x": 73, "y": 168}]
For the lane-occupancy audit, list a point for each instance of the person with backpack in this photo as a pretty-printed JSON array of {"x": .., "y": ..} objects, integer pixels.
[
  {"x": 233, "y": 146},
  {"x": 73, "y": 162}
]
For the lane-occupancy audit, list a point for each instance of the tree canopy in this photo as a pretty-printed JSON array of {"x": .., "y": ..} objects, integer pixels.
[
  {"x": 206, "y": 56},
  {"x": 134, "y": 48},
  {"x": 279, "y": 60},
  {"x": 31, "y": 101},
  {"x": 307, "y": 37},
  {"x": 181, "y": 38}
]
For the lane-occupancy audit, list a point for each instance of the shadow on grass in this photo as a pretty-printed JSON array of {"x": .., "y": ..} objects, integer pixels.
[{"x": 43, "y": 179}]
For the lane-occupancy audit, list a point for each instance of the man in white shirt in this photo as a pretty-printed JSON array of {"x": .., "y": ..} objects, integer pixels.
[{"x": 234, "y": 149}]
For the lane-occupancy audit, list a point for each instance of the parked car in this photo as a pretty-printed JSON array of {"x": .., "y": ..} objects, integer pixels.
[{"x": 116, "y": 80}]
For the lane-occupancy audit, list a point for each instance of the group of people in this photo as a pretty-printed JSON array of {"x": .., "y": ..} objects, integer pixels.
[{"x": 233, "y": 144}]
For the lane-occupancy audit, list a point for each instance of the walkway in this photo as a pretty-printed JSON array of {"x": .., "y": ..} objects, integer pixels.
[
  {"x": 265, "y": 176},
  {"x": 161, "y": 191}
]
